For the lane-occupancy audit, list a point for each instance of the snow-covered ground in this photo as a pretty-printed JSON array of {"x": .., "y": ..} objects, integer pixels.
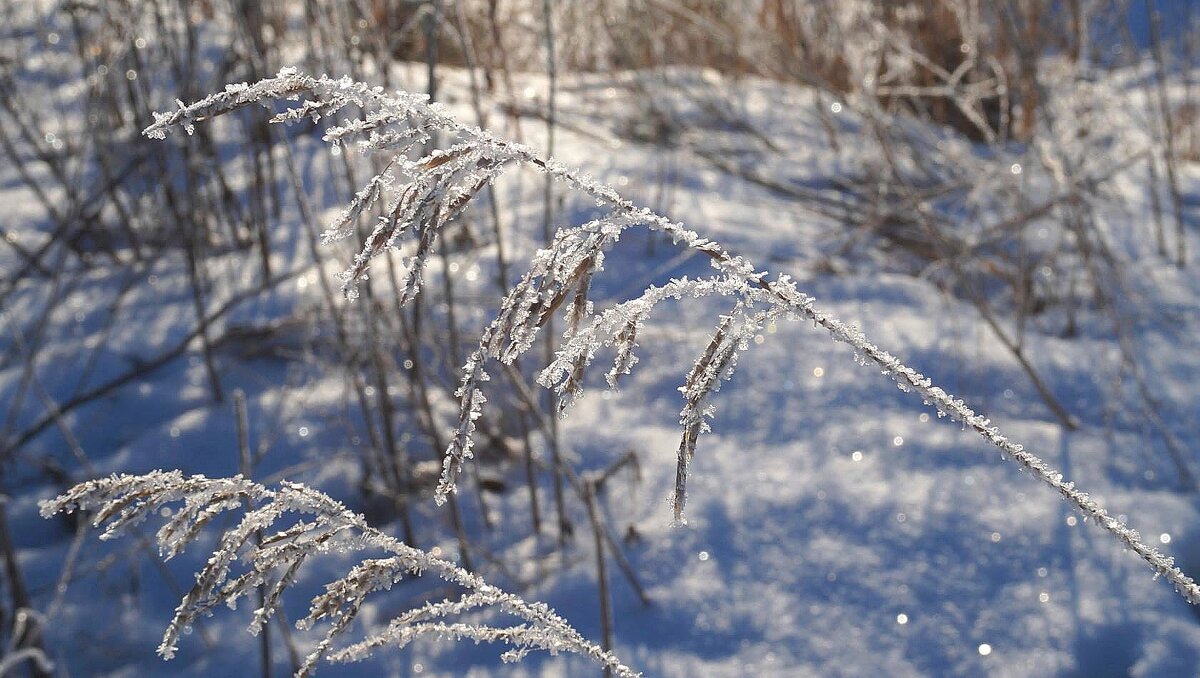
[{"x": 837, "y": 527}]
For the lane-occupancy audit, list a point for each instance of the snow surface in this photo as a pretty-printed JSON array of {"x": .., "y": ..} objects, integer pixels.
[{"x": 836, "y": 526}]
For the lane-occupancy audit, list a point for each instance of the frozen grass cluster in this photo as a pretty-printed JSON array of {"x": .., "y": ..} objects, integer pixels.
[
  {"x": 280, "y": 530},
  {"x": 421, "y": 191}
]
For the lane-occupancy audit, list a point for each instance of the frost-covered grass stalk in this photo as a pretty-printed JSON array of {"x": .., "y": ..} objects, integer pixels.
[
  {"x": 323, "y": 526},
  {"x": 442, "y": 183}
]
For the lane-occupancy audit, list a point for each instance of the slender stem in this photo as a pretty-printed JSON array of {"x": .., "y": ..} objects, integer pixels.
[{"x": 606, "y": 620}]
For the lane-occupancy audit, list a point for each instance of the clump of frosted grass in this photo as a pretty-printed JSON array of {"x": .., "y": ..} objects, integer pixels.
[
  {"x": 437, "y": 186},
  {"x": 272, "y": 563}
]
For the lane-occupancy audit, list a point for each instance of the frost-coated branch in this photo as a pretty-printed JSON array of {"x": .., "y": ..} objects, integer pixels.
[
  {"x": 443, "y": 182},
  {"x": 325, "y": 526}
]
